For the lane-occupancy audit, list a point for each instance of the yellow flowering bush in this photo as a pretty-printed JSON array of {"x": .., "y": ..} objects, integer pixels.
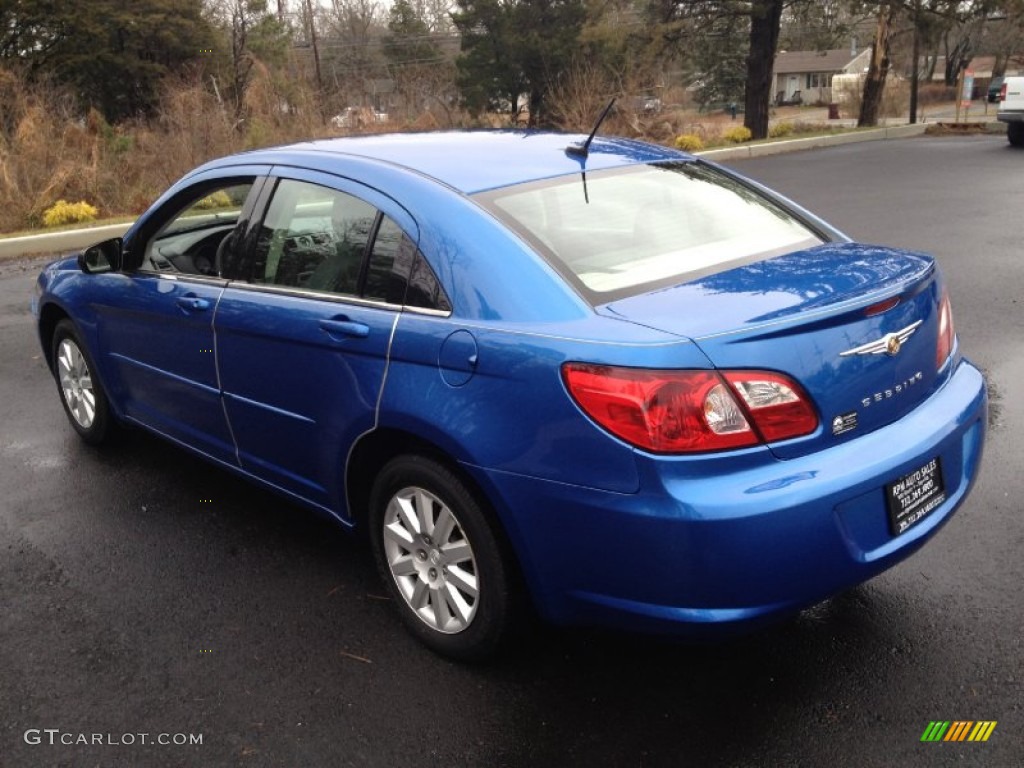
[
  {"x": 780, "y": 130},
  {"x": 737, "y": 135},
  {"x": 218, "y": 199},
  {"x": 689, "y": 142},
  {"x": 63, "y": 212}
]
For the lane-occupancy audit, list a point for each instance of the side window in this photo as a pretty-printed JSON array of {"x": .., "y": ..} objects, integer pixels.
[
  {"x": 189, "y": 241},
  {"x": 398, "y": 274},
  {"x": 390, "y": 263},
  {"x": 319, "y": 239},
  {"x": 313, "y": 238},
  {"x": 424, "y": 289}
]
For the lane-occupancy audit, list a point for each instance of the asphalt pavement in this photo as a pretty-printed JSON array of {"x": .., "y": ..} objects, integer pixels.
[{"x": 144, "y": 592}]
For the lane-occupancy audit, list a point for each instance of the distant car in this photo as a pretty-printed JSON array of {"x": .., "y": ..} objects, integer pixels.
[
  {"x": 344, "y": 119},
  {"x": 357, "y": 117},
  {"x": 994, "y": 87},
  {"x": 620, "y": 383},
  {"x": 651, "y": 105}
]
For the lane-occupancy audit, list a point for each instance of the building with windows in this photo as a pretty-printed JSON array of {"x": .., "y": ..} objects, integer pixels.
[{"x": 805, "y": 77}]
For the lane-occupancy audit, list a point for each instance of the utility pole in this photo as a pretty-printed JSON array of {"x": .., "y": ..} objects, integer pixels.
[{"x": 311, "y": 20}]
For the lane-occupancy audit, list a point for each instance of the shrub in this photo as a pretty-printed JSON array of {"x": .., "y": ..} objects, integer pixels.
[
  {"x": 780, "y": 130},
  {"x": 218, "y": 199},
  {"x": 738, "y": 135},
  {"x": 689, "y": 142},
  {"x": 63, "y": 212}
]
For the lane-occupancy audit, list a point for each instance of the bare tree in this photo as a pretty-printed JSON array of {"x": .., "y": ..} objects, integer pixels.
[
  {"x": 1004, "y": 37},
  {"x": 874, "y": 83},
  {"x": 351, "y": 47},
  {"x": 765, "y": 19}
]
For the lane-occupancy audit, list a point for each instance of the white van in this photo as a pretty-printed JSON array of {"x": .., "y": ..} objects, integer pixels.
[{"x": 1011, "y": 109}]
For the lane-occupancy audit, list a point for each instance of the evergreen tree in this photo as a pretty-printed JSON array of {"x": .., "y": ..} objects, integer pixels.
[
  {"x": 113, "y": 54},
  {"x": 513, "y": 47}
]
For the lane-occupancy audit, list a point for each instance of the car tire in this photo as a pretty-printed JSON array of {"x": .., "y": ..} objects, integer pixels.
[
  {"x": 442, "y": 558},
  {"x": 1015, "y": 133},
  {"x": 81, "y": 392}
]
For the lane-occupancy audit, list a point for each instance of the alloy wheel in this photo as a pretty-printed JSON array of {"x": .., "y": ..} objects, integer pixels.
[
  {"x": 76, "y": 383},
  {"x": 431, "y": 560}
]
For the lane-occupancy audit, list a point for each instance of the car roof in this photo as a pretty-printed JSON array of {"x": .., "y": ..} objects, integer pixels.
[{"x": 474, "y": 161}]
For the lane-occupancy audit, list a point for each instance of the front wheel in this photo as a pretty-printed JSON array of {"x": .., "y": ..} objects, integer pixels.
[
  {"x": 81, "y": 393},
  {"x": 441, "y": 557},
  {"x": 1015, "y": 133}
]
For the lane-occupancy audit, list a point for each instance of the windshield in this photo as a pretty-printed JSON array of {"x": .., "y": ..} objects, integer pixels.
[
  {"x": 626, "y": 231},
  {"x": 220, "y": 207}
]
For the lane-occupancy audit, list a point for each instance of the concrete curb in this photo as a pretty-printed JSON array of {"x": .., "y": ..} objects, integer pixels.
[
  {"x": 58, "y": 242},
  {"x": 795, "y": 145}
]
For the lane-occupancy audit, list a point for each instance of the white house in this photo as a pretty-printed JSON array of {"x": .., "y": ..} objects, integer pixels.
[{"x": 805, "y": 77}]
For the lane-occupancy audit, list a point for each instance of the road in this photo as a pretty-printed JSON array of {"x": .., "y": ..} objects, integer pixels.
[{"x": 143, "y": 592}]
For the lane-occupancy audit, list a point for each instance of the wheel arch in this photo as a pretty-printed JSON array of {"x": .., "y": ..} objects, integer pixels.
[
  {"x": 50, "y": 315},
  {"x": 375, "y": 449}
]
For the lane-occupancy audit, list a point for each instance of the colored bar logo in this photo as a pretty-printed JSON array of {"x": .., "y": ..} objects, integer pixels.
[{"x": 958, "y": 730}]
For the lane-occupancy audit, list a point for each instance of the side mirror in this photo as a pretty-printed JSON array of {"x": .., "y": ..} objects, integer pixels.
[{"x": 101, "y": 257}]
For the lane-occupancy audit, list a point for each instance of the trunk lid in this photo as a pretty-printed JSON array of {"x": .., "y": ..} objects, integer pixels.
[{"x": 810, "y": 315}]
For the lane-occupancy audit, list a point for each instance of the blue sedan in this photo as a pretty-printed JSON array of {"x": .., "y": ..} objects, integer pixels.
[{"x": 616, "y": 384}]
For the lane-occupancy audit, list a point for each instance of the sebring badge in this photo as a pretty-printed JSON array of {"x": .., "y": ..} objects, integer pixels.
[{"x": 890, "y": 344}]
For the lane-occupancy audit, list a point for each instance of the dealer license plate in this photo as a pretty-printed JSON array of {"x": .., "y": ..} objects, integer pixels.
[{"x": 914, "y": 496}]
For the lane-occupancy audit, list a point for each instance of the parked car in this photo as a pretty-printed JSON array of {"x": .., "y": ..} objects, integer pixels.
[
  {"x": 358, "y": 117},
  {"x": 1011, "y": 109},
  {"x": 995, "y": 85},
  {"x": 653, "y": 396},
  {"x": 649, "y": 105}
]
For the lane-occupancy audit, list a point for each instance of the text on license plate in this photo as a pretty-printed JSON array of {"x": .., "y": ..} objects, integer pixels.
[{"x": 914, "y": 495}]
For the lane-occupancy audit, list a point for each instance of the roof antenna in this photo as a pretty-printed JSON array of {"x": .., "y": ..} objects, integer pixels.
[{"x": 582, "y": 150}]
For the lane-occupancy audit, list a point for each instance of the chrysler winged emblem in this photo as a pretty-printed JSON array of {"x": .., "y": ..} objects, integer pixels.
[{"x": 890, "y": 344}]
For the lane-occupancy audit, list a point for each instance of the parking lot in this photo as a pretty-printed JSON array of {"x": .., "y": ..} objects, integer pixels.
[{"x": 145, "y": 592}]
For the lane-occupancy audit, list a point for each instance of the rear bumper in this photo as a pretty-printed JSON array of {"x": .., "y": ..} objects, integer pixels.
[
  {"x": 1010, "y": 116},
  {"x": 708, "y": 545}
]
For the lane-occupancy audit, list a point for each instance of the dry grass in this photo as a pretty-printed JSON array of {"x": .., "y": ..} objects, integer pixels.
[
  {"x": 895, "y": 100},
  {"x": 48, "y": 151}
]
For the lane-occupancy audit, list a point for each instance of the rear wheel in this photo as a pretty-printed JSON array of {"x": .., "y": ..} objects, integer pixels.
[
  {"x": 81, "y": 393},
  {"x": 441, "y": 558},
  {"x": 1015, "y": 133}
]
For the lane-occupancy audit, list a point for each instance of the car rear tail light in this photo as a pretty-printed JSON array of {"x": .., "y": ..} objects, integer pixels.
[
  {"x": 1002, "y": 92},
  {"x": 947, "y": 333},
  {"x": 778, "y": 406},
  {"x": 669, "y": 411}
]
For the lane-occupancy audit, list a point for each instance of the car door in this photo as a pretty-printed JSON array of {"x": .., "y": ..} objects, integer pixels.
[
  {"x": 158, "y": 335},
  {"x": 304, "y": 327}
]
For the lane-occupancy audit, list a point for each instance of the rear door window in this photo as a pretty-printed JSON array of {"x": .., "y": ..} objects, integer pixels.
[
  {"x": 323, "y": 240},
  {"x": 314, "y": 238}
]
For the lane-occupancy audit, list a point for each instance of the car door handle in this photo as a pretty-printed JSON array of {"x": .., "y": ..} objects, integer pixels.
[
  {"x": 193, "y": 303},
  {"x": 345, "y": 327}
]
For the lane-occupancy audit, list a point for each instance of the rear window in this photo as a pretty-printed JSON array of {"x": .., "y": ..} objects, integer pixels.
[{"x": 627, "y": 231}]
